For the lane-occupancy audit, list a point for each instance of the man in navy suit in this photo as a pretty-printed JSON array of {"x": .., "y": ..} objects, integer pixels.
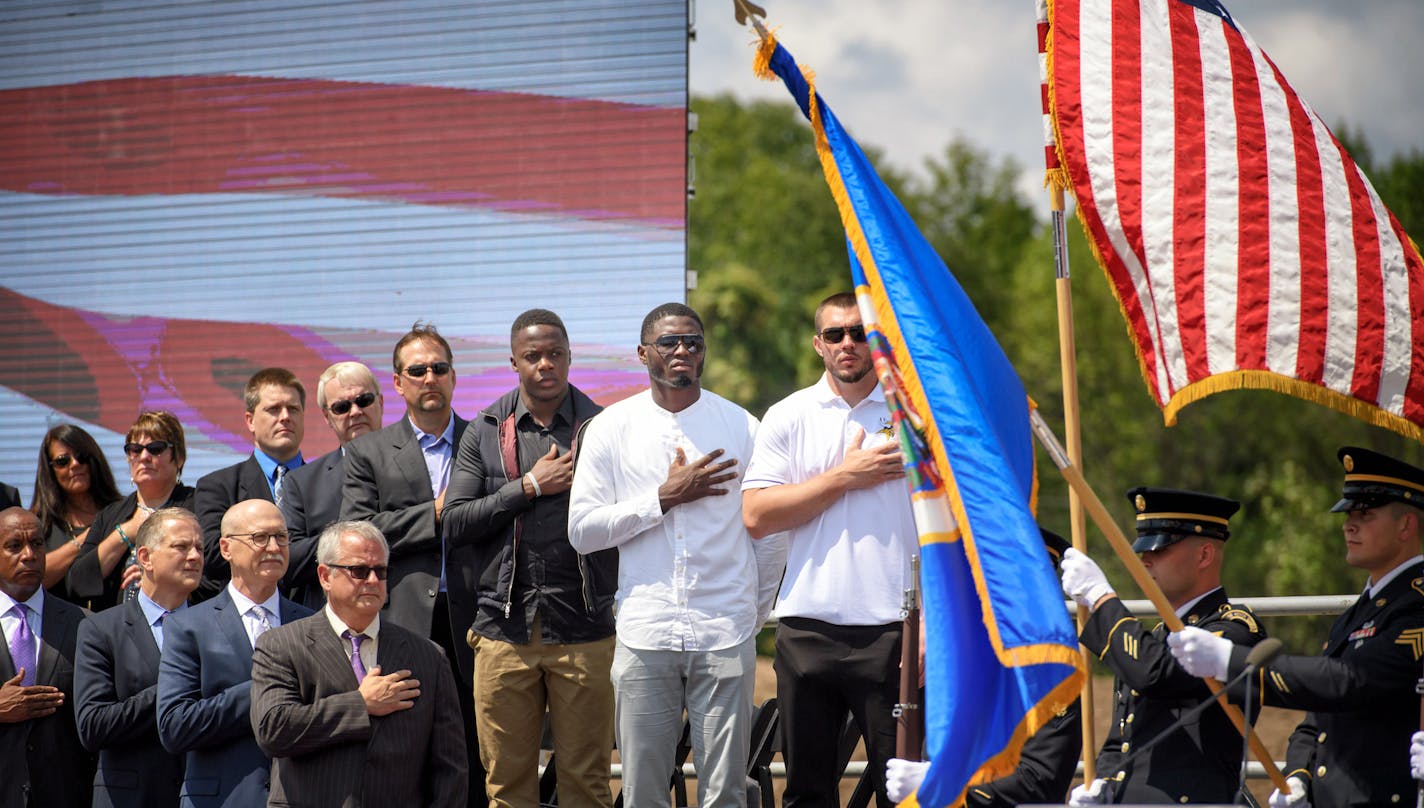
[
  {"x": 395, "y": 479},
  {"x": 116, "y": 668},
  {"x": 45, "y": 766},
  {"x": 350, "y": 398},
  {"x": 275, "y": 402},
  {"x": 205, "y": 671}
]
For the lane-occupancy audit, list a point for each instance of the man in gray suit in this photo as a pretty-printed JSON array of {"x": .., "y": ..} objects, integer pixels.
[
  {"x": 395, "y": 479},
  {"x": 350, "y": 398},
  {"x": 44, "y": 765},
  {"x": 340, "y": 730}
]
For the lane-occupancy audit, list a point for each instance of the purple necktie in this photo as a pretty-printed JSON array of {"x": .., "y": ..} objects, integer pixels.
[
  {"x": 357, "y": 667},
  {"x": 22, "y": 645}
]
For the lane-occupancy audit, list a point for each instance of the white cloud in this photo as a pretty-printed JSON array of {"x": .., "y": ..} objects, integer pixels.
[{"x": 908, "y": 75}]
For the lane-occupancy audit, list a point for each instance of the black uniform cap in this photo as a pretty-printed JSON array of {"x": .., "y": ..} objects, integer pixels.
[
  {"x": 1373, "y": 479},
  {"x": 1165, "y": 516}
]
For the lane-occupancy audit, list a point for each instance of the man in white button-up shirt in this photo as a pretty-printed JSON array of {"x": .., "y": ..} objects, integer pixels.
[{"x": 658, "y": 479}]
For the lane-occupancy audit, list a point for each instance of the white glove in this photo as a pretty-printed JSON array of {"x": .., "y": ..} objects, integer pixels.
[
  {"x": 1202, "y": 653},
  {"x": 903, "y": 777},
  {"x": 1416, "y": 756},
  {"x": 1296, "y": 797},
  {"x": 1087, "y": 793},
  {"x": 1083, "y": 580}
]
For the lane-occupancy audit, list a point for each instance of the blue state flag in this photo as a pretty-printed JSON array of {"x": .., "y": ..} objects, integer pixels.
[{"x": 1002, "y": 657}]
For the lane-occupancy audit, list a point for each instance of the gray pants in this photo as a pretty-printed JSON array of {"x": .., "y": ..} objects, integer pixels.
[{"x": 652, "y": 688}]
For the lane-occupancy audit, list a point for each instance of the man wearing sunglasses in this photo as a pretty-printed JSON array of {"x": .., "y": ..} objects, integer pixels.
[
  {"x": 350, "y": 399},
  {"x": 540, "y": 615},
  {"x": 353, "y": 709},
  {"x": 658, "y": 479},
  {"x": 827, "y": 469},
  {"x": 275, "y": 402},
  {"x": 396, "y": 479}
]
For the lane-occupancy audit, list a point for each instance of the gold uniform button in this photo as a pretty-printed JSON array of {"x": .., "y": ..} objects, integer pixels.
[
  {"x": 1320, "y": 738},
  {"x": 1320, "y": 772},
  {"x": 1125, "y": 747},
  {"x": 1394, "y": 798},
  {"x": 1129, "y": 717},
  {"x": 1183, "y": 800}
]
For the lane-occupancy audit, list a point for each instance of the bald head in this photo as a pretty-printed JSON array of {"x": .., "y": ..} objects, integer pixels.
[
  {"x": 22, "y": 554},
  {"x": 254, "y": 542}
]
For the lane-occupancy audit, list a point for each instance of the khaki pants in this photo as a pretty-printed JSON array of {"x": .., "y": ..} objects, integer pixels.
[{"x": 513, "y": 685}]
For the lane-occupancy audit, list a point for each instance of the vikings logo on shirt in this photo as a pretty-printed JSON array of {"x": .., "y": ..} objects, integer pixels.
[{"x": 886, "y": 428}]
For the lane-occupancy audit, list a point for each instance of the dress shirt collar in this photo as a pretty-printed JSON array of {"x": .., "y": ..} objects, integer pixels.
[
  {"x": 1189, "y": 605},
  {"x": 426, "y": 439},
  {"x": 244, "y": 604},
  {"x": 269, "y": 465},
  {"x": 338, "y": 625},
  {"x": 1376, "y": 588},
  {"x": 35, "y": 603},
  {"x": 565, "y": 410}
]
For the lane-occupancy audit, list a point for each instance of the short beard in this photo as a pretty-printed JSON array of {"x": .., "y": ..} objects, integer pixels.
[{"x": 850, "y": 376}]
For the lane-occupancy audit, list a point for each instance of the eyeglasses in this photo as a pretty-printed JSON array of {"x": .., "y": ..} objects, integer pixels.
[
  {"x": 833, "y": 336},
  {"x": 63, "y": 461},
  {"x": 260, "y": 541},
  {"x": 154, "y": 447},
  {"x": 418, "y": 371},
  {"x": 366, "y": 399},
  {"x": 361, "y": 572},
  {"x": 667, "y": 343}
]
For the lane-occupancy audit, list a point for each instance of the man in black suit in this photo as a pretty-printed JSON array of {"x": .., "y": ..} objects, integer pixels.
[
  {"x": 1350, "y": 749},
  {"x": 340, "y": 730},
  {"x": 9, "y": 497},
  {"x": 395, "y": 479},
  {"x": 350, "y": 398},
  {"x": 116, "y": 669},
  {"x": 45, "y": 765},
  {"x": 205, "y": 670},
  {"x": 275, "y": 402},
  {"x": 1181, "y": 536}
]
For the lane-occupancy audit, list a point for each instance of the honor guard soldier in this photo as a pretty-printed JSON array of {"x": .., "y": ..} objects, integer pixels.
[
  {"x": 1181, "y": 537},
  {"x": 1352, "y": 747}
]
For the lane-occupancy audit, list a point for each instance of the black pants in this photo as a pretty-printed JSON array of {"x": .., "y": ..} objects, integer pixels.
[
  {"x": 823, "y": 673},
  {"x": 442, "y": 635}
]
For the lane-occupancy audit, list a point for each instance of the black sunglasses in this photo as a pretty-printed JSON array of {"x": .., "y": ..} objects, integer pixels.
[
  {"x": 667, "y": 343},
  {"x": 363, "y": 401},
  {"x": 63, "y": 461},
  {"x": 418, "y": 371},
  {"x": 361, "y": 572},
  {"x": 154, "y": 447},
  {"x": 834, "y": 335}
]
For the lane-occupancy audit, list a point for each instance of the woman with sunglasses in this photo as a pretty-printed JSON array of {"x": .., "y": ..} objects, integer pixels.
[
  {"x": 104, "y": 569},
  {"x": 72, "y": 483}
]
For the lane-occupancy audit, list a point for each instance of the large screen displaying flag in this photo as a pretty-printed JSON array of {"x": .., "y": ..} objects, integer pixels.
[{"x": 192, "y": 191}]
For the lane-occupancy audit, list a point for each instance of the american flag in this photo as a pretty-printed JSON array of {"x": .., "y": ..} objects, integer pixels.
[{"x": 1245, "y": 246}]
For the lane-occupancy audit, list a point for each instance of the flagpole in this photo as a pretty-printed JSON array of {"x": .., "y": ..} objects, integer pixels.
[
  {"x": 1149, "y": 587},
  {"x": 1068, "y": 364}
]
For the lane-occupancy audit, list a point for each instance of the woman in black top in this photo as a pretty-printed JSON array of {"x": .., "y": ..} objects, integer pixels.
[
  {"x": 72, "y": 484},
  {"x": 106, "y": 566}
]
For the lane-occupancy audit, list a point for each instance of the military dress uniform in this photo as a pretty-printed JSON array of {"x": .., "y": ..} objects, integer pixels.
[
  {"x": 1201, "y": 760},
  {"x": 1352, "y": 747}
]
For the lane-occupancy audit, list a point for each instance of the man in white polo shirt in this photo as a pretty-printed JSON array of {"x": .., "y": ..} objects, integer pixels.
[{"x": 827, "y": 468}]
